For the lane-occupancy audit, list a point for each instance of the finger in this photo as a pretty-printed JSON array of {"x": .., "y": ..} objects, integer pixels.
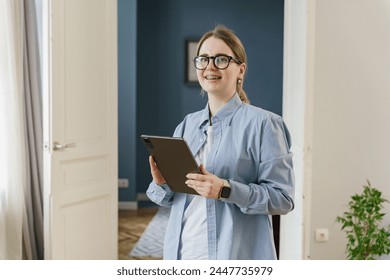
[
  {"x": 192, "y": 186},
  {"x": 195, "y": 176},
  {"x": 203, "y": 170},
  {"x": 156, "y": 174},
  {"x": 153, "y": 165},
  {"x": 196, "y": 186},
  {"x": 192, "y": 183},
  {"x": 152, "y": 162},
  {"x": 198, "y": 189}
]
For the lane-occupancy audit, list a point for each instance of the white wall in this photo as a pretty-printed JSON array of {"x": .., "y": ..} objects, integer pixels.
[
  {"x": 347, "y": 98},
  {"x": 351, "y": 129}
]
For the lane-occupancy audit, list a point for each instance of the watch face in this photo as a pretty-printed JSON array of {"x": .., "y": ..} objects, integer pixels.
[{"x": 225, "y": 192}]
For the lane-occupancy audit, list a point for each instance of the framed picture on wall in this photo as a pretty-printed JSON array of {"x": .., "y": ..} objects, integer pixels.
[{"x": 190, "y": 75}]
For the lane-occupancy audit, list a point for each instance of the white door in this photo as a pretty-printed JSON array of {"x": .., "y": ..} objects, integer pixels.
[{"x": 80, "y": 123}]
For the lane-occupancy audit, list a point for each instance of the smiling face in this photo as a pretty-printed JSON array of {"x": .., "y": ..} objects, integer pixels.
[{"x": 220, "y": 83}]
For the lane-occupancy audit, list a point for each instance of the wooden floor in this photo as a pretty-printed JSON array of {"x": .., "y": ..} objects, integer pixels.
[{"x": 132, "y": 224}]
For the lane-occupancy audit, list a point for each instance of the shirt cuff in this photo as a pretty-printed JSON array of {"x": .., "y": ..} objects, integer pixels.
[
  {"x": 239, "y": 194},
  {"x": 159, "y": 194}
]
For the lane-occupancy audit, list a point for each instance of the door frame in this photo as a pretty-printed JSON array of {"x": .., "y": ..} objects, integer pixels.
[{"x": 298, "y": 69}]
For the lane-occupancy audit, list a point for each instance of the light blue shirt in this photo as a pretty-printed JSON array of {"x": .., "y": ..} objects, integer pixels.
[{"x": 251, "y": 149}]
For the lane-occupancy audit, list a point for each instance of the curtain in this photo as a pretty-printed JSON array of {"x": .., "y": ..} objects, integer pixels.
[
  {"x": 21, "y": 213},
  {"x": 33, "y": 223},
  {"x": 13, "y": 146}
]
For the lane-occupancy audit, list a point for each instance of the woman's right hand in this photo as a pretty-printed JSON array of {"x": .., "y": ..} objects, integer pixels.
[{"x": 156, "y": 174}]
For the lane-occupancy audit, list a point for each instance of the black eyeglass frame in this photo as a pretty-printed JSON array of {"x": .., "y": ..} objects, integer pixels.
[{"x": 213, "y": 58}]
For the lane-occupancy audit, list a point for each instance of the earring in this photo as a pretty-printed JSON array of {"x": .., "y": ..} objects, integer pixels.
[{"x": 239, "y": 81}]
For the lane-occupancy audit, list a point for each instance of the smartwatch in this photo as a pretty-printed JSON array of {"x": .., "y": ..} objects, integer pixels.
[{"x": 225, "y": 190}]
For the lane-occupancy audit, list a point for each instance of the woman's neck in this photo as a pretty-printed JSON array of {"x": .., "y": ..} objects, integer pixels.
[{"x": 217, "y": 102}]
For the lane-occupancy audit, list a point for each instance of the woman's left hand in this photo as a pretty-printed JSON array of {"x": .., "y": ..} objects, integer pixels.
[{"x": 205, "y": 184}]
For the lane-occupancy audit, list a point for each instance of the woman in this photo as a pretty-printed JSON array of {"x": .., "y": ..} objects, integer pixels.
[{"x": 246, "y": 165}]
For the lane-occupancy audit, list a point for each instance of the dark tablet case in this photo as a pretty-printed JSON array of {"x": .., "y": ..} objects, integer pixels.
[{"x": 174, "y": 160}]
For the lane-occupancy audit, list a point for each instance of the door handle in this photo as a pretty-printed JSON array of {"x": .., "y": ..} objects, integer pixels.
[{"x": 58, "y": 147}]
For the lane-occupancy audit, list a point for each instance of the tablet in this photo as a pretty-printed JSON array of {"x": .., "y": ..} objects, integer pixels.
[{"x": 174, "y": 159}]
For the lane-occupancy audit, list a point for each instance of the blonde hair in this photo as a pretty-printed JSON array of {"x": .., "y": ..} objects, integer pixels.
[{"x": 235, "y": 44}]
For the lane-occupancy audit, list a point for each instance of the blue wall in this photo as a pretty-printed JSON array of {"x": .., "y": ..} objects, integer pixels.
[
  {"x": 162, "y": 97},
  {"x": 127, "y": 95}
]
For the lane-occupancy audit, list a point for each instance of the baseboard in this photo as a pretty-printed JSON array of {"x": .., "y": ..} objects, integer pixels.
[
  {"x": 142, "y": 201},
  {"x": 128, "y": 205},
  {"x": 142, "y": 197}
]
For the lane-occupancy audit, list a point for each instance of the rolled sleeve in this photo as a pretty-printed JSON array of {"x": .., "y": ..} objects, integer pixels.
[{"x": 161, "y": 195}]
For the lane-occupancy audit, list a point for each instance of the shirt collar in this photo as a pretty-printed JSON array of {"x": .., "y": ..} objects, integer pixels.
[{"x": 226, "y": 114}]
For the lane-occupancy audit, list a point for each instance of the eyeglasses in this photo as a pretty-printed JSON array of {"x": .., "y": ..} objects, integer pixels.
[{"x": 220, "y": 61}]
